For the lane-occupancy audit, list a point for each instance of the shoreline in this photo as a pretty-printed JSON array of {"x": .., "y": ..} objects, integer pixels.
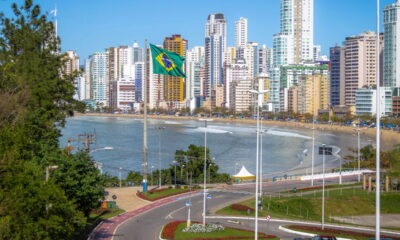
[{"x": 388, "y": 138}]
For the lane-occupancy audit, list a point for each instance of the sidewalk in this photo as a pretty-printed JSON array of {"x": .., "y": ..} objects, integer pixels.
[{"x": 126, "y": 198}]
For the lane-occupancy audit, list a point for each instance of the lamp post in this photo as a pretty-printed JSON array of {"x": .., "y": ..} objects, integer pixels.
[
  {"x": 159, "y": 154},
  {"x": 151, "y": 175},
  {"x": 174, "y": 162},
  {"x": 313, "y": 152},
  {"x": 48, "y": 171},
  {"x": 358, "y": 149},
  {"x": 378, "y": 128},
  {"x": 323, "y": 186},
  {"x": 119, "y": 175},
  {"x": 259, "y": 93},
  {"x": 205, "y": 167}
]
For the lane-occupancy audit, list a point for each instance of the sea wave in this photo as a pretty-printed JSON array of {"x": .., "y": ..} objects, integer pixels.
[
  {"x": 210, "y": 130},
  {"x": 286, "y": 134}
]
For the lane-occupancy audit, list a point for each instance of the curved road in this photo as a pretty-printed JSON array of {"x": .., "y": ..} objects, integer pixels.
[{"x": 146, "y": 223}]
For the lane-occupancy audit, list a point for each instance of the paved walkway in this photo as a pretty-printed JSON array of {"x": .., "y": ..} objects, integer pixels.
[
  {"x": 387, "y": 220},
  {"x": 126, "y": 198}
]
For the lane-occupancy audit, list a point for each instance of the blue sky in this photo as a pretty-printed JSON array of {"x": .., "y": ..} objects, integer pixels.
[{"x": 88, "y": 26}]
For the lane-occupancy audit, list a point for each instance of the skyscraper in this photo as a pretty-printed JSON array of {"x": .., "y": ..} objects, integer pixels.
[
  {"x": 336, "y": 58},
  {"x": 99, "y": 78},
  {"x": 137, "y": 53},
  {"x": 215, "y": 47},
  {"x": 241, "y": 32},
  {"x": 194, "y": 64},
  {"x": 360, "y": 63},
  {"x": 294, "y": 44},
  {"x": 174, "y": 90},
  {"x": 391, "y": 56}
]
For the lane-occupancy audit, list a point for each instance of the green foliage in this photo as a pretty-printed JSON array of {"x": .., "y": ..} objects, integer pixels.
[
  {"x": 35, "y": 98},
  {"x": 135, "y": 177},
  {"x": 81, "y": 181},
  {"x": 34, "y": 209}
]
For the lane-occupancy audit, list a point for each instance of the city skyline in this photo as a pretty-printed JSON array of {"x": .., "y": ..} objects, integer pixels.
[{"x": 122, "y": 23}]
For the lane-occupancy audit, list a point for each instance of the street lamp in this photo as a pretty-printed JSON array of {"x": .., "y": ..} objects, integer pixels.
[
  {"x": 159, "y": 154},
  {"x": 151, "y": 175},
  {"x": 313, "y": 152},
  {"x": 259, "y": 93},
  {"x": 119, "y": 174},
  {"x": 205, "y": 167},
  {"x": 323, "y": 185},
  {"x": 48, "y": 171},
  {"x": 174, "y": 162},
  {"x": 358, "y": 149}
]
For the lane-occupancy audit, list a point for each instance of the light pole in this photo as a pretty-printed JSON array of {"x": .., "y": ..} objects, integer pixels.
[
  {"x": 259, "y": 93},
  {"x": 205, "y": 168},
  {"x": 151, "y": 175},
  {"x": 119, "y": 174},
  {"x": 313, "y": 152},
  {"x": 378, "y": 129},
  {"x": 261, "y": 159},
  {"x": 323, "y": 185},
  {"x": 358, "y": 149},
  {"x": 159, "y": 154},
  {"x": 48, "y": 171},
  {"x": 174, "y": 162}
]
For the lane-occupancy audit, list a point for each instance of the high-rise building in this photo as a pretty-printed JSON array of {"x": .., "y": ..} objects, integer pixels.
[
  {"x": 360, "y": 63},
  {"x": 337, "y": 75},
  {"x": 174, "y": 90},
  {"x": 138, "y": 78},
  {"x": 391, "y": 56},
  {"x": 215, "y": 47},
  {"x": 124, "y": 90},
  {"x": 264, "y": 59},
  {"x": 237, "y": 86},
  {"x": 71, "y": 66},
  {"x": 137, "y": 53},
  {"x": 293, "y": 75},
  {"x": 99, "y": 78},
  {"x": 195, "y": 58},
  {"x": 294, "y": 44},
  {"x": 241, "y": 32},
  {"x": 310, "y": 95},
  {"x": 249, "y": 53}
]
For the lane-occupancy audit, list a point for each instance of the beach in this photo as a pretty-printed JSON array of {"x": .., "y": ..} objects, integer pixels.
[{"x": 389, "y": 138}]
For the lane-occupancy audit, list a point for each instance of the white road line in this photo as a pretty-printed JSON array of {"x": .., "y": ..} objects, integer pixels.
[{"x": 169, "y": 216}]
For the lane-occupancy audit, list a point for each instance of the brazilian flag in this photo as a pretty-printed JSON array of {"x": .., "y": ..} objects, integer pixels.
[{"x": 166, "y": 62}]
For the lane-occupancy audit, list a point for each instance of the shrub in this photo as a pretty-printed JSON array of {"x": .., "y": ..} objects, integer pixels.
[
  {"x": 199, "y": 228},
  {"x": 240, "y": 207}
]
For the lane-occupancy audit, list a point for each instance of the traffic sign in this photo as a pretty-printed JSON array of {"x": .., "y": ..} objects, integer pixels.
[
  {"x": 114, "y": 197},
  {"x": 268, "y": 218},
  {"x": 188, "y": 204},
  {"x": 209, "y": 196}
]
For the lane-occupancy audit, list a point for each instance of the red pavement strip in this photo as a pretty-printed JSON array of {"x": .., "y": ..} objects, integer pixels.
[{"x": 105, "y": 230}]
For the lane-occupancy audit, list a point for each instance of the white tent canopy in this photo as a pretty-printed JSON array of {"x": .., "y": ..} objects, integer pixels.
[{"x": 243, "y": 174}]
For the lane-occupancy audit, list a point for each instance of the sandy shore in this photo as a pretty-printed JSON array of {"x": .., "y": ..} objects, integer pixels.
[{"x": 388, "y": 140}]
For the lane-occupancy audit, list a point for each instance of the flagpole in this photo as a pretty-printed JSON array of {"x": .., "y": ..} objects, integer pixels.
[{"x": 145, "y": 151}]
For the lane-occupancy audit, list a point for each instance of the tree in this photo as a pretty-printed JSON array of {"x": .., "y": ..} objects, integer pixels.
[
  {"x": 35, "y": 99},
  {"x": 81, "y": 181}
]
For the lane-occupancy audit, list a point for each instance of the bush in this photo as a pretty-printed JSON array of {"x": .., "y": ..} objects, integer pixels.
[
  {"x": 240, "y": 207},
  {"x": 199, "y": 228}
]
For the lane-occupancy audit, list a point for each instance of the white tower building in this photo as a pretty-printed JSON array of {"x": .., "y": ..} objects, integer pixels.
[
  {"x": 391, "y": 52},
  {"x": 241, "y": 32}
]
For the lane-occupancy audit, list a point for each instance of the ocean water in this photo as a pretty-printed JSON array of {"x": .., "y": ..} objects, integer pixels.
[{"x": 119, "y": 144}]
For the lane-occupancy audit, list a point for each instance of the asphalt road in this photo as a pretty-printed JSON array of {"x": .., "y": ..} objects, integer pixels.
[{"x": 147, "y": 225}]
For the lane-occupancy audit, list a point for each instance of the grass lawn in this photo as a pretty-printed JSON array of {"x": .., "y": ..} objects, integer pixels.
[
  {"x": 318, "y": 188},
  {"x": 105, "y": 215},
  {"x": 335, "y": 232},
  {"x": 228, "y": 232},
  {"x": 345, "y": 202},
  {"x": 166, "y": 192}
]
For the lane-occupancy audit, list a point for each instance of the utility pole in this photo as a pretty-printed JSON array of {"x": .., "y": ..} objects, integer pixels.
[{"x": 86, "y": 139}]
